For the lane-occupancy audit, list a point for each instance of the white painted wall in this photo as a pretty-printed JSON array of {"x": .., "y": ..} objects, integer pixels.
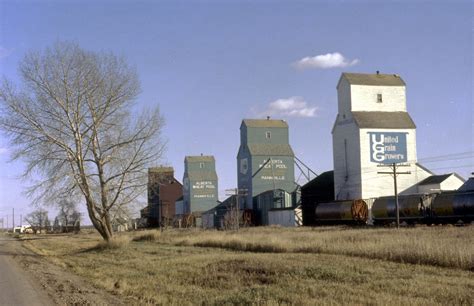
[
  {"x": 451, "y": 183},
  {"x": 431, "y": 188},
  {"x": 420, "y": 174},
  {"x": 364, "y": 98},
  {"x": 377, "y": 185},
  {"x": 358, "y": 98},
  {"x": 347, "y": 179},
  {"x": 344, "y": 98}
]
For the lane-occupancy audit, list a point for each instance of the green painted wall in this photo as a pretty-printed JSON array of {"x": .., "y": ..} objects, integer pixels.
[
  {"x": 262, "y": 140},
  {"x": 200, "y": 189}
]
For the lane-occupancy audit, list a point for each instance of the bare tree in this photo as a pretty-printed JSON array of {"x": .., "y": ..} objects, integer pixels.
[
  {"x": 73, "y": 122},
  {"x": 76, "y": 221},
  {"x": 68, "y": 214},
  {"x": 38, "y": 220}
]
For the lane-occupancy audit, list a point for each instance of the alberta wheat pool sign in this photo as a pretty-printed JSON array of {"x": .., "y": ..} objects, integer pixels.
[{"x": 388, "y": 147}]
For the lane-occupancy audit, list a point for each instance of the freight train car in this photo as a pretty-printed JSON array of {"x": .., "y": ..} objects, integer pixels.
[
  {"x": 342, "y": 212},
  {"x": 413, "y": 209},
  {"x": 435, "y": 208},
  {"x": 452, "y": 207}
]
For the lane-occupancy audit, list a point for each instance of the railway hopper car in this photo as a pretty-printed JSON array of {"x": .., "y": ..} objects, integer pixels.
[
  {"x": 342, "y": 212},
  {"x": 435, "y": 208},
  {"x": 412, "y": 209},
  {"x": 452, "y": 207}
]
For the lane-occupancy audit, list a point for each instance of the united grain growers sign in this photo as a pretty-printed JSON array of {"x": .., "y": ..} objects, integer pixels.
[{"x": 388, "y": 147}]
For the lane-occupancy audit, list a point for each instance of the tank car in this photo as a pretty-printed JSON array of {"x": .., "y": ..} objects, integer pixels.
[
  {"x": 412, "y": 209},
  {"x": 452, "y": 207},
  {"x": 342, "y": 212}
]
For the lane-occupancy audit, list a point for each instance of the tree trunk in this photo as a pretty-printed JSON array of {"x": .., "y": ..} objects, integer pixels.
[{"x": 102, "y": 225}]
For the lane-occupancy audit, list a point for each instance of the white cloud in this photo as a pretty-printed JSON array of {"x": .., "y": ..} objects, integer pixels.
[
  {"x": 325, "y": 61},
  {"x": 290, "y": 107},
  {"x": 4, "y": 52}
]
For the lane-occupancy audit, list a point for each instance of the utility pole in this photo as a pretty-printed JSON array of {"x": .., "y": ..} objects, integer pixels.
[{"x": 394, "y": 173}]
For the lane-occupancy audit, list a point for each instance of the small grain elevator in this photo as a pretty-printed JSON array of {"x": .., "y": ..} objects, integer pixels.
[
  {"x": 200, "y": 191},
  {"x": 265, "y": 160}
]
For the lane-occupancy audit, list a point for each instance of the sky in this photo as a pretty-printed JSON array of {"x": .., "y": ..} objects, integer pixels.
[{"x": 210, "y": 64}]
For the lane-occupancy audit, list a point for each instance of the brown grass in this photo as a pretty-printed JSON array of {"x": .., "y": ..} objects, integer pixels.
[
  {"x": 277, "y": 266},
  {"x": 148, "y": 236},
  {"x": 444, "y": 246},
  {"x": 117, "y": 242}
]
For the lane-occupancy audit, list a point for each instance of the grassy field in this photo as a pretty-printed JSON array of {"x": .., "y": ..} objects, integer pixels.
[{"x": 303, "y": 266}]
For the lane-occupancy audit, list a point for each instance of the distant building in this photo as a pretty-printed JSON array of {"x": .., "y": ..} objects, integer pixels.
[
  {"x": 373, "y": 128},
  {"x": 200, "y": 190},
  {"x": 265, "y": 160},
  {"x": 163, "y": 191},
  {"x": 437, "y": 183},
  {"x": 220, "y": 216},
  {"x": 269, "y": 200},
  {"x": 467, "y": 186}
]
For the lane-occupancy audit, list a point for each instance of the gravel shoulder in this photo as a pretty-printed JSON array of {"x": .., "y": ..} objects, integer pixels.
[
  {"x": 16, "y": 285},
  {"x": 50, "y": 284}
]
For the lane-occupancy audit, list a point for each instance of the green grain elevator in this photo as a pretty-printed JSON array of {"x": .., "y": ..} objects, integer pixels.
[
  {"x": 265, "y": 160},
  {"x": 199, "y": 184}
]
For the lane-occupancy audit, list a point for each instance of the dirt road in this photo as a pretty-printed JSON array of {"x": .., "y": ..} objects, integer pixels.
[
  {"x": 16, "y": 286},
  {"x": 29, "y": 279}
]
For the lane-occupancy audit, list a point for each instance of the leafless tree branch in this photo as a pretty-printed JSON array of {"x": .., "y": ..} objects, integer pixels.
[{"x": 72, "y": 124}]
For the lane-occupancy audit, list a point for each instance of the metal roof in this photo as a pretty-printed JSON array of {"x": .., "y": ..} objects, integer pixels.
[
  {"x": 376, "y": 79},
  {"x": 160, "y": 169},
  {"x": 199, "y": 158},
  {"x": 438, "y": 179},
  {"x": 322, "y": 184},
  {"x": 264, "y": 123},
  {"x": 272, "y": 191},
  {"x": 468, "y": 185},
  {"x": 384, "y": 120},
  {"x": 202, "y": 175},
  {"x": 271, "y": 149},
  {"x": 223, "y": 206},
  {"x": 434, "y": 179}
]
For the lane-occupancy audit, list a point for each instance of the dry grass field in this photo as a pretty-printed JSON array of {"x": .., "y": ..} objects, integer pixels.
[{"x": 270, "y": 265}]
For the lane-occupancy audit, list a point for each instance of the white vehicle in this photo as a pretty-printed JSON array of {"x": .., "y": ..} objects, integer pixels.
[{"x": 23, "y": 229}]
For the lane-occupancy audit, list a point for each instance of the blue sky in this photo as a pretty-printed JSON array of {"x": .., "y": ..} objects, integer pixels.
[{"x": 209, "y": 64}]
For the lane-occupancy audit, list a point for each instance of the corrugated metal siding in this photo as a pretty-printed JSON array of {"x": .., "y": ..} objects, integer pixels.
[
  {"x": 286, "y": 218},
  {"x": 271, "y": 199}
]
